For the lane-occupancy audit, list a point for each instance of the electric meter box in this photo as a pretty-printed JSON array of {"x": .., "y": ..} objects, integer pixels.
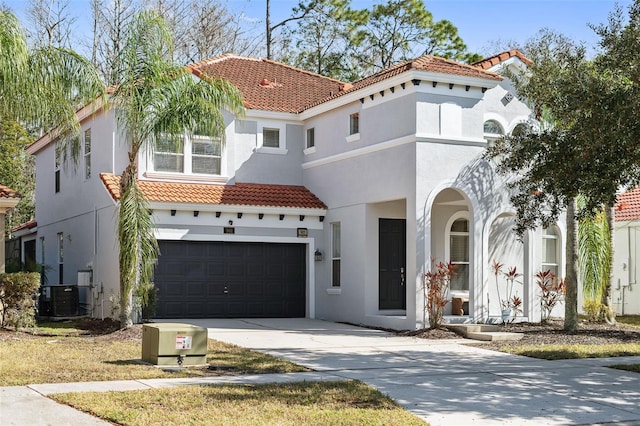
[{"x": 174, "y": 344}]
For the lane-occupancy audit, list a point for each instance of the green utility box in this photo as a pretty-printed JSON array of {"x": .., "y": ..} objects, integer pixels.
[{"x": 174, "y": 344}]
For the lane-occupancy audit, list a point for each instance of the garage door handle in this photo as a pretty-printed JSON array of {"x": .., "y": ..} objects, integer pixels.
[{"x": 226, "y": 290}]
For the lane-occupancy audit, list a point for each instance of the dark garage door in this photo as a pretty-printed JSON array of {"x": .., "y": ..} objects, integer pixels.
[{"x": 230, "y": 280}]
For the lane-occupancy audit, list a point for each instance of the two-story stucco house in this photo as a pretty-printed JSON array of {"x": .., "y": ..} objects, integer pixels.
[{"x": 327, "y": 200}]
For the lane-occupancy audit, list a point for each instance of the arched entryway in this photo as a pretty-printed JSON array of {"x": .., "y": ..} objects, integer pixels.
[{"x": 452, "y": 241}]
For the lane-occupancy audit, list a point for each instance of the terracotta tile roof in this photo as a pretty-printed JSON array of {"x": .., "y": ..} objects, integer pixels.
[
  {"x": 27, "y": 225},
  {"x": 6, "y": 192},
  {"x": 627, "y": 206},
  {"x": 491, "y": 61},
  {"x": 269, "y": 85},
  {"x": 244, "y": 194},
  {"x": 426, "y": 63}
]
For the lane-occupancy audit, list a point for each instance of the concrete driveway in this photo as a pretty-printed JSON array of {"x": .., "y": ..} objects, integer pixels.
[{"x": 444, "y": 382}]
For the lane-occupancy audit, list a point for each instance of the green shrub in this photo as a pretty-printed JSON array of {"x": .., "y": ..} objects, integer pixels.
[{"x": 18, "y": 295}]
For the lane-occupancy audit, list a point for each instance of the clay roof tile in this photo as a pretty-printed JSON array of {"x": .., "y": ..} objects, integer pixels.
[{"x": 248, "y": 194}]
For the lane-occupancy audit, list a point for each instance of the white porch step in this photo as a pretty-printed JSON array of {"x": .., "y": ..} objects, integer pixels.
[
  {"x": 495, "y": 336},
  {"x": 484, "y": 332}
]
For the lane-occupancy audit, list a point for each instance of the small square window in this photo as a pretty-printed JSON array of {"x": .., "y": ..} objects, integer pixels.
[
  {"x": 271, "y": 138},
  {"x": 311, "y": 138},
  {"x": 354, "y": 123}
]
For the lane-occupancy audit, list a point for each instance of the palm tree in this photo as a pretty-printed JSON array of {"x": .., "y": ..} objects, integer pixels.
[
  {"x": 595, "y": 248},
  {"x": 44, "y": 87},
  {"x": 156, "y": 97}
]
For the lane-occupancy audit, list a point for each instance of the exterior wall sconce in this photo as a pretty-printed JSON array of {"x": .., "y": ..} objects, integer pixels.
[
  {"x": 173, "y": 212},
  {"x": 302, "y": 232},
  {"x": 317, "y": 255},
  {"x": 230, "y": 223}
]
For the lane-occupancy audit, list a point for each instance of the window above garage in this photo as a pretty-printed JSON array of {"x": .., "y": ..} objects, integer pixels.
[{"x": 191, "y": 155}]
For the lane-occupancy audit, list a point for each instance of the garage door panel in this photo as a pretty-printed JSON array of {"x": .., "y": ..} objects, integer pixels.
[{"x": 227, "y": 279}]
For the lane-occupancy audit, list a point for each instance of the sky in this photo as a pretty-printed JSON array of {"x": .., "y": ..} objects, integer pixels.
[{"x": 480, "y": 23}]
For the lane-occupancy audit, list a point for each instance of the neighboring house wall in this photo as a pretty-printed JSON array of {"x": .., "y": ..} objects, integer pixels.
[{"x": 625, "y": 292}]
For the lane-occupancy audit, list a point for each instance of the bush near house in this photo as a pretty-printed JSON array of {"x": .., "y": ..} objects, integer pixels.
[{"x": 18, "y": 293}]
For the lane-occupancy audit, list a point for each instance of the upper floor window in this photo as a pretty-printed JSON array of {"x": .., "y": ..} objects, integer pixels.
[
  {"x": 87, "y": 153},
  {"x": 311, "y": 137},
  {"x": 519, "y": 130},
  {"x": 354, "y": 123},
  {"x": 492, "y": 131},
  {"x": 169, "y": 154},
  {"x": 271, "y": 138},
  {"x": 197, "y": 154},
  {"x": 58, "y": 162},
  {"x": 493, "y": 127}
]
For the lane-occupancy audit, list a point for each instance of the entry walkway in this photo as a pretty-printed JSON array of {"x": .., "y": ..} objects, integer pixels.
[{"x": 441, "y": 381}]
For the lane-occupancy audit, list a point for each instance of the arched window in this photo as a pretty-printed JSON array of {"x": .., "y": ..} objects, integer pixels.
[
  {"x": 459, "y": 253},
  {"x": 492, "y": 131},
  {"x": 551, "y": 250},
  {"x": 492, "y": 127},
  {"x": 519, "y": 129}
]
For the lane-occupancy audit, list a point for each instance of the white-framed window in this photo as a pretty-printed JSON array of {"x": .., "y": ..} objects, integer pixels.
[
  {"x": 335, "y": 254},
  {"x": 551, "y": 250},
  {"x": 206, "y": 155},
  {"x": 457, "y": 247},
  {"x": 60, "y": 258},
  {"x": 195, "y": 154},
  {"x": 492, "y": 131},
  {"x": 270, "y": 137},
  {"x": 58, "y": 162},
  {"x": 354, "y": 123},
  {"x": 311, "y": 138},
  {"x": 87, "y": 153}
]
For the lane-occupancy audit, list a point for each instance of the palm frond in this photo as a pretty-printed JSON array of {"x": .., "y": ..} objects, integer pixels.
[{"x": 594, "y": 253}]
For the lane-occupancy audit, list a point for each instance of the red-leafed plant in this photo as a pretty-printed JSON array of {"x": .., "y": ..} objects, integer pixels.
[
  {"x": 551, "y": 291},
  {"x": 436, "y": 288}
]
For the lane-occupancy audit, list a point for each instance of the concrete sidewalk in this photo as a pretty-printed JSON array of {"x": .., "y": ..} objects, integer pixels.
[{"x": 441, "y": 381}]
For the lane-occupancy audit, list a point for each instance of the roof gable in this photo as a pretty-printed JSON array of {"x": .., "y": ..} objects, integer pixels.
[
  {"x": 239, "y": 194},
  {"x": 494, "y": 60}
]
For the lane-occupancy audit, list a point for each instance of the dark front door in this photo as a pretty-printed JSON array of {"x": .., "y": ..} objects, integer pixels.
[
  {"x": 392, "y": 264},
  {"x": 230, "y": 280}
]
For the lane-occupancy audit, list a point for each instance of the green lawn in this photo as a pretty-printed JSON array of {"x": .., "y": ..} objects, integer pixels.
[{"x": 553, "y": 352}]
